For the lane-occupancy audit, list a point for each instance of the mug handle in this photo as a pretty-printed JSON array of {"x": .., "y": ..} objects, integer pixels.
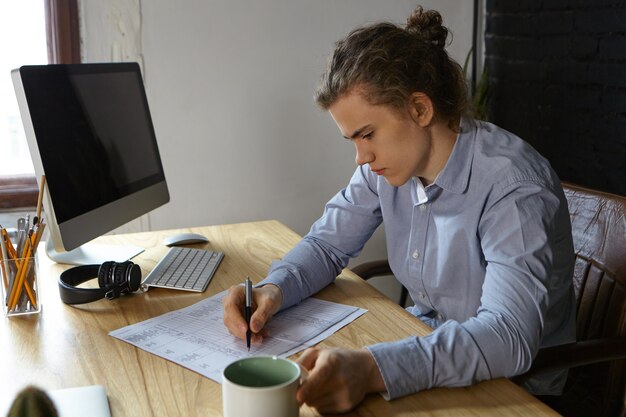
[{"x": 304, "y": 374}]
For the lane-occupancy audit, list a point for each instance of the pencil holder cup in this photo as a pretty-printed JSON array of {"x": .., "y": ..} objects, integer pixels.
[{"x": 20, "y": 286}]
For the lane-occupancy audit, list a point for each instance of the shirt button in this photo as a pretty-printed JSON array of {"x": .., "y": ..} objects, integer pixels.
[
  {"x": 423, "y": 207},
  {"x": 416, "y": 254},
  {"x": 440, "y": 317},
  {"x": 421, "y": 295}
]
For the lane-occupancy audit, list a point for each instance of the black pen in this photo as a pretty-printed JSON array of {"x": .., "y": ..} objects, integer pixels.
[{"x": 248, "y": 309}]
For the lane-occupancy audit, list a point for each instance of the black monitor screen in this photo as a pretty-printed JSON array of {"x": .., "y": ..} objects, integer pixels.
[{"x": 94, "y": 133}]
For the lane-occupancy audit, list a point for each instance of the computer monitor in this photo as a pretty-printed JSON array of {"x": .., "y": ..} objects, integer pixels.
[{"x": 89, "y": 130}]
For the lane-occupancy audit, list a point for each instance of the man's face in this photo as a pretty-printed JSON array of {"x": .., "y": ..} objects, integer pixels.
[{"x": 393, "y": 146}]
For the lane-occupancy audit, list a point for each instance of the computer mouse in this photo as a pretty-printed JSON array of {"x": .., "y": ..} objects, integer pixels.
[{"x": 184, "y": 239}]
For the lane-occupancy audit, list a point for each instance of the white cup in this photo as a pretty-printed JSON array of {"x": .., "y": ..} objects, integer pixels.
[{"x": 261, "y": 386}]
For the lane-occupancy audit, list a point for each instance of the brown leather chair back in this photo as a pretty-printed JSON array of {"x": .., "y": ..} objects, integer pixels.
[{"x": 599, "y": 232}]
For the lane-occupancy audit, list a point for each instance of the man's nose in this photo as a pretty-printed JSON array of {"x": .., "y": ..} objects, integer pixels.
[{"x": 363, "y": 154}]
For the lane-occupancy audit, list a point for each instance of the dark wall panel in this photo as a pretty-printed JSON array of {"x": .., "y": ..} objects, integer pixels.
[{"x": 557, "y": 77}]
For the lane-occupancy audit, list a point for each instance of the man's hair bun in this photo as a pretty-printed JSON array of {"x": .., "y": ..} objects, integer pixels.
[
  {"x": 427, "y": 25},
  {"x": 388, "y": 63}
]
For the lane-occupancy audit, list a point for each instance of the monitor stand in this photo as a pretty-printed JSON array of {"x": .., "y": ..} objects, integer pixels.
[{"x": 92, "y": 253}]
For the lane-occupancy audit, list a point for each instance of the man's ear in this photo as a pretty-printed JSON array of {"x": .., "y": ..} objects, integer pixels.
[{"x": 421, "y": 109}]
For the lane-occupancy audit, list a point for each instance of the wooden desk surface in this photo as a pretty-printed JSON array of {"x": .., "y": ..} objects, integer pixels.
[{"x": 68, "y": 346}]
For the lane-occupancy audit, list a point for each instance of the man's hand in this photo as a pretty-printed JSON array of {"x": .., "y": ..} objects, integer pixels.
[
  {"x": 266, "y": 301},
  {"x": 338, "y": 379}
]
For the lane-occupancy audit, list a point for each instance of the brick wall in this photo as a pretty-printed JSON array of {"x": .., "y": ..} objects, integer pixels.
[{"x": 557, "y": 74}]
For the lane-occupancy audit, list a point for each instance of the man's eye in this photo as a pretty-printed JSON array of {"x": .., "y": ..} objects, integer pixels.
[{"x": 368, "y": 135}]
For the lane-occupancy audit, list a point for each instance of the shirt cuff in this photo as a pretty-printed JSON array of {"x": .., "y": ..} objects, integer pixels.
[
  {"x": 287, "y": 284},
  {"x": 403, "y": 367}
]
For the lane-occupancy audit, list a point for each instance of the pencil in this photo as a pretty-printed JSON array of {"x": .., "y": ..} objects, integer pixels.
[
  {"x": 40, "y": 196},
  {"x": 9, "y": 245},
  {"x": 29, "y": 283},
  {"x": 3, "y": 261},
  {"x": 22, "y": 270},
  {"x": 30, "y": 291},
  {"x": 8, "y": 254},
  {"x": 38, "y": 234}
]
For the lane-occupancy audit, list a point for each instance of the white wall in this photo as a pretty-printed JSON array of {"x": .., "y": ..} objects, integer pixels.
[{"x": 230, "y": 85}]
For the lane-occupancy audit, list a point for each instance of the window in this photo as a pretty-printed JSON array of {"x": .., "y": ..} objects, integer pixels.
[
  {"x": 23, "y": 41},
  {"x": 26, "y": 27}
]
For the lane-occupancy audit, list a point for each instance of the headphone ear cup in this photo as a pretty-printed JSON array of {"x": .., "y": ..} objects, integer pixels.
[
  {"x": 134, "y": 277},
  {"x": 119, "y": 273},
  {"x": 127, "y": 276},
  {"x": 105, "y": 273}
]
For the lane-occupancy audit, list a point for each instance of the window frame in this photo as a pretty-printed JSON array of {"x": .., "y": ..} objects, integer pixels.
[{"x": 63, "y": 41}]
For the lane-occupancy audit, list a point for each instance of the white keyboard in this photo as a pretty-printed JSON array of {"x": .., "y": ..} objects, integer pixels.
[{"x": 185, "y": 269}]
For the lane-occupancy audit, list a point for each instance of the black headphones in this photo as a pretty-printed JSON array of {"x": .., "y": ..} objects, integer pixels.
[{"x": 114, "y": 280}]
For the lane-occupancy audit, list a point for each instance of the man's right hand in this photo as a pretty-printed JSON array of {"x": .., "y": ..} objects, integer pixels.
[{"x": 266, "y": 301}]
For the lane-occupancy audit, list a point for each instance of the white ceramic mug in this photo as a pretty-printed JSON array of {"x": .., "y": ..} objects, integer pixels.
[{"x": 261, "y": 386}]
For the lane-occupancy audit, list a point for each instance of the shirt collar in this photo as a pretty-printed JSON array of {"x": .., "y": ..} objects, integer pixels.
[
  {"x": 454, "y": 176},
  {"x": 420, "y": 191}
]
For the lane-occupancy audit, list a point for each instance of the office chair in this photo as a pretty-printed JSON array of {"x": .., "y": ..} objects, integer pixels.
[
  {"x": 379, "y": 268},
  {"x": 596, "y": 383}
]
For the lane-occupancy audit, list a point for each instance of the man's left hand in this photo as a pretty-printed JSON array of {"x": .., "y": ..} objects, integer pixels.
[{"x": 338, "y": 379}]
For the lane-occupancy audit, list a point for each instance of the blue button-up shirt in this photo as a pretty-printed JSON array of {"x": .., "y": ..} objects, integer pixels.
[{"x": 485, "y": 252}]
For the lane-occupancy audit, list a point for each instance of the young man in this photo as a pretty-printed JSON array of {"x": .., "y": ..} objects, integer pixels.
[{"x": 476, "y": 222}]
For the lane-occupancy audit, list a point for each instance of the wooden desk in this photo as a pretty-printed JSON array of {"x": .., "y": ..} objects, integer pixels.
[{"x": 68, "y": 346}]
